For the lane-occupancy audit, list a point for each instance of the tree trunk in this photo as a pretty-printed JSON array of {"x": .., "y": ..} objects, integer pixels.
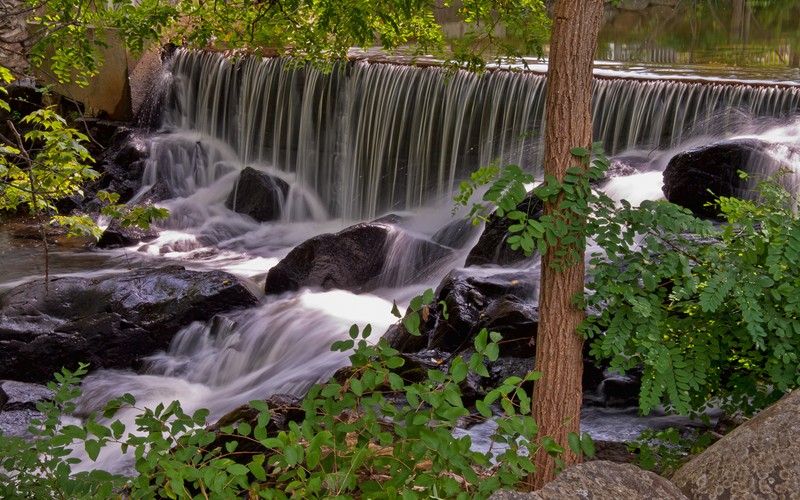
[{"x": 557, "y": 396}]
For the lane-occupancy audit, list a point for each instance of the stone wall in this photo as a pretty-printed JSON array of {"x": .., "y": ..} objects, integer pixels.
[{"x": 12, "y": 36}]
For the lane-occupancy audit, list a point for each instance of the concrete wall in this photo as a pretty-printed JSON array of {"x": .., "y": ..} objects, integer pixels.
[
  {"x": 12, "y": 37},
  {"x": 108, "y": 94}
]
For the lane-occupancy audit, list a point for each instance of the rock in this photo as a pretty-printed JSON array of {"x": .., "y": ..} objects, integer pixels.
[
  {"x": 117, "y": 236},
  {"x": 283, "y": 409},
  {"x": 759, "y": 459},
  {"x": 502, "y": 303},
  {"x": 690, "y": 175},
  {"x": 633, "y": 4},
  {"x": 456, "y": 234},
  {"x": 623, "y": 166},
  {"x": 600, "y": 479},
  {"x": 3, "y": 398},
  {"x": 121, "y": 167},
  {"x": 492, "y": 248},
  {"x": 259, "y": 195},
  {"x": 23, "y": 396},
  {"x": 358, "y": 258},
  {"x": 110, "y": 321},
  {"x": 621, "y": 391}
]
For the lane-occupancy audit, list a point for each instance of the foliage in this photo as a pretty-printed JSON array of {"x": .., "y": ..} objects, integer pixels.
[
  {"x": 368, "y": 433},
  {"x": 573, "y": 198},
  {"x": 71, "y": 33},
  {"x": 710, "y": 312},
  {"x": 47, "y": 164},
  {"x": 665, "y": 450},
  {"x": 42, "y": 467},
  {"x": 51, "y": 163}
]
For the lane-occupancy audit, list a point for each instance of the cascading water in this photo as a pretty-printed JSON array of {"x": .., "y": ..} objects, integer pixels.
[
  {"x": 371, "y": 138},
  {"x": 359, "y": 142}
]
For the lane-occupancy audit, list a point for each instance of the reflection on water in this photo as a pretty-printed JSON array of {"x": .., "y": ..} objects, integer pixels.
[
  {"x": 737, "y": 39},
  {"x": 22, "y": 258}
]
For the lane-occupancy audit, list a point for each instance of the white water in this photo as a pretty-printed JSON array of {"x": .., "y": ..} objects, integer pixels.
[{"x": 404, "y": 138}]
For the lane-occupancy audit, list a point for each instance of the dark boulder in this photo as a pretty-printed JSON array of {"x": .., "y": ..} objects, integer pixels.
[
  {"x": 117, "y": 236},
  {"x": 468, "y": 301},
  {"x": 624, "y": 166},
  {"x": 456, "y": 234},
  {"x": 501, "y": 303},
  {"x": 123, "y": 165},
  {"x": 18, "y": 402},
  {"x": 359, "y": 258},
  {"x": 111, "y": 321},
  {"x": 492, "y": 248},
  {"x": 259, "y": 195},
  {"x": 282, "y": 409},
  {"x": 22, "y": 395},
  {"x": 697, "y": 177}
]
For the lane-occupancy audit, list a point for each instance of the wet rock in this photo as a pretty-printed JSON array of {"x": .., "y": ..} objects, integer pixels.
[
  {"x": 600, "y": 479},
  {"x": 456, "y": 234},
  {"x": 117, "y": 236},
  {"x": 16, "y": 423},
  {"x": 23, "y": 396},
  {"x": 259, "y": 195},
  {"x": 18, "y": 402},
  {"x": 467, "y": 301},
  {"x": 358, "y": 258},
  {"x": 759, "y": 459},
  {"x": 621, "y": 390},
  {"x": 393, "y": 219},
  {"x": 111, "y": 321},
  {"x": 623, "y": 166},
  {"x": 690, "y": 175},
  {"x": 283, "y": 408},
  {"x": 502, "y": 303},
  {"x": 492, "y": 248}
]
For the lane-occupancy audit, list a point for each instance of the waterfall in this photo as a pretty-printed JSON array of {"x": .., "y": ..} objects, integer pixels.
[
  {"x": 368, "y": 138},
  {"x": 353, "y": 144}
]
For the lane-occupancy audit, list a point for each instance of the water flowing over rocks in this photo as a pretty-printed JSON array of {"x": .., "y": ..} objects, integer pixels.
[
  {"x": 358, "y": 258},
  {"x": 258, "y": 195},
  {"x": 123, "y": 164},
  {"x": 492, "y": 247},
  {"x": 692, "y": 176},
  {"x": 109, "y": 321},
  {"x": 759, "y": 459},
  {"x": 600, "y": 479}
]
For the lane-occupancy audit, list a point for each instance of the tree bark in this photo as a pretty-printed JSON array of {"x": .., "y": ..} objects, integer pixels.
[{"x": 557, "y": 395}]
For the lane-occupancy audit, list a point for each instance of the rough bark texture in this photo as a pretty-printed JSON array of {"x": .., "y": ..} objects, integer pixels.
[{"x": 557, "y": 395}]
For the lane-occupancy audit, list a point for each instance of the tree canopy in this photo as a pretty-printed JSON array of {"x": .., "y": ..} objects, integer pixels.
[{"x": 68, "y": 33}]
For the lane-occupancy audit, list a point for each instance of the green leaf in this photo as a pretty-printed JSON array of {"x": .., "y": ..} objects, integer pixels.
[
  {"x": 92, "y": 447},
  {"x": 458, "y": 370},
  {"x": 411, "y": 323},
  {"x": 483, "y": 409},
  {"x": 587, "y": 445}
]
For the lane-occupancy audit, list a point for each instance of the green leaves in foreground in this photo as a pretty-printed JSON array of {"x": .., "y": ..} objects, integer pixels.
[{"x": 368, "y": 432}]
